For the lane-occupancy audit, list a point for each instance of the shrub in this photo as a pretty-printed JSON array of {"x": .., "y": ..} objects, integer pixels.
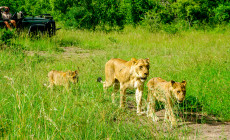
[
  {"x": 222, "y": 13},
  {"x": 155, "y": 18},
  {"x": 189, "y": 11},
  {"x": 79, "y": 17},
  {"x": 139, "y": 8},
  {"x": 6, "y": 36},
  {"x": 97, "y": 13}
]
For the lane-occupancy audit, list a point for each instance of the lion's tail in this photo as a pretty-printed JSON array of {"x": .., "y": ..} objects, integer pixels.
[{"x": 99, "y": 79}]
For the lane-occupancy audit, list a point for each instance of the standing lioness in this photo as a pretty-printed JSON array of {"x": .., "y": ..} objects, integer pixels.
[
  {"x": 62, "y": 78},
  {"x": 126, "y": 74},
  {"x": 166, "y": 92}
]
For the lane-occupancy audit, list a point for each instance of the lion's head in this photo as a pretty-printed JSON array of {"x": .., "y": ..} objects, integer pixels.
[
  {"x": 140, "y": 68},
  {"x": 179, "y": 90},
  {"x": 72, "y": 76}
]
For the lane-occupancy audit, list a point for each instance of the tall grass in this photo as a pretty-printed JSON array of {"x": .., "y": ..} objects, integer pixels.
[{"x": 30, "y": 110}]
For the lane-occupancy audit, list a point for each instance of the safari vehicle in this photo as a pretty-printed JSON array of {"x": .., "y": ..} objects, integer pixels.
[{"x": 33, "y": 25}]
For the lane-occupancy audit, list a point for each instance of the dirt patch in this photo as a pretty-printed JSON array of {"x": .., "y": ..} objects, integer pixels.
[
  {"x": 202, "y": 126},
  {"x": 71, "y": 52},
  {"x": 213, "y": 131},
  {"x": 32, "y": 53},
  {"x": 199, "y": 126},
  {"x": 67, "y": 53}
]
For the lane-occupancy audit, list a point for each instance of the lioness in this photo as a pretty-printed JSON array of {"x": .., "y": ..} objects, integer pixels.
[
  {"x": 166, "y": 92},
  {"x": 126, "y": 74},
  {"x": 62, "y": 78}
]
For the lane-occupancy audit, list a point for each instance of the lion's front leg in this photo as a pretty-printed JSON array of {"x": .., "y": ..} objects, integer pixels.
[
  {"x": 169, "y": 113},
  {"x": 139, "y": 92},
  {"x": 122, "y": 96},
  {"x": 172, "y": 117}
]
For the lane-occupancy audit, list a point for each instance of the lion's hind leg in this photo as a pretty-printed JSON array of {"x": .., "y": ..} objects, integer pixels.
[
  {"x": 106, "y": 84},
  {"x": 116, "y": 88},
  {"x": 51, "y": 79},
  {"x": 151, "y": 101}
]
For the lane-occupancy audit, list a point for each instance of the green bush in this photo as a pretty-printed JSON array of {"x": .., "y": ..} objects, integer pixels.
[
  {"x": 160, "y": 15},
  {"x": 114, "y": 14},
  {"x": 6, "y": 36},
  {"x": 189, "y": 11},
  {"x": 139, "y": 8},
  {"x": 99, "y": 13},
  {"x": 79, "y": 17},
  {"x": 222, "y": 13}
]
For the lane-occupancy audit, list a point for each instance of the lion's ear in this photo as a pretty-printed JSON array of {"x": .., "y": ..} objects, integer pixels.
[
  {"x": 173, "y": 83},
  {"x": 69, "y": 72},
  {"x": 76, "y": 72},
  {"x": 134, "y": 60},
  {"x": 184, "y": 82},
  {"x": 147, "y": 59}
]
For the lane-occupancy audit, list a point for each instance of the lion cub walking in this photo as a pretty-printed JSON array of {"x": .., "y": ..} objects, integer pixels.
[
  {"x": 62, "y": 78},
  {"x": 166, "y": 92}
]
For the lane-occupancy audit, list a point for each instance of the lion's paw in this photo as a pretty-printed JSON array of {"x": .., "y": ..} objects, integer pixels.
[
  {"x": 141, "y": 113},
  {"x": 155, "y": 119}
]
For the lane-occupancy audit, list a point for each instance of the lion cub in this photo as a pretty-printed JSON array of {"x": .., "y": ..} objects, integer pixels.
[
  {"x": 166, "y": 92},
  {"x": 62, "y": 78}
]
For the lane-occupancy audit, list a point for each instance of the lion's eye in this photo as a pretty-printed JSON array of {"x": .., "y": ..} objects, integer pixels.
[
  {"x": 141, "y": 67},
  {"x": 178, "y": 91},
  {"x": 147, "y": 67}
]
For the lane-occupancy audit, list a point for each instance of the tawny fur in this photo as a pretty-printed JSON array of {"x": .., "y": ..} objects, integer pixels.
[
  {"x": 123, "y": 74},
  {"x": 60, "y": 78},
  {"x": 166, "y": 92}
]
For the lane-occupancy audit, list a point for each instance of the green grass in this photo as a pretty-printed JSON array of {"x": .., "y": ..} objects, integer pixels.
[{"x": 30, "y": 110}]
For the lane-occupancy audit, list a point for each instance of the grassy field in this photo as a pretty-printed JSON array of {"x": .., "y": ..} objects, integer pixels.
[{"x": 30, "y": 110}]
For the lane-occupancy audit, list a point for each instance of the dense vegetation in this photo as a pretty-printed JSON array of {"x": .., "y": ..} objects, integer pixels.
[{"x": 170, "y": 15}]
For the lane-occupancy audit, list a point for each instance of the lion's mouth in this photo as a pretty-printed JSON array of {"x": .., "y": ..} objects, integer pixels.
[
  {"x": 143, "y": 78},
  {"x": 179, "y": 101}
]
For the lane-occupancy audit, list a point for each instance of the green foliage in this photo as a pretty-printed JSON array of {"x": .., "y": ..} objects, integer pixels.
[
  {"x": 189, "y": 11},
  {"x": 139, "y": 8},
  {"x": 222, "y": 13},
  {"x": 114, "y": 14},
  {"x": 96, "y": 13},
  {"x": 6, "y": 36},
  {"x": 161, "y": 15}
]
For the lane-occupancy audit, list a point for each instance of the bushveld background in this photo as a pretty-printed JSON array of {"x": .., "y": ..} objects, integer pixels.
[{"x": 181, "y": 45}]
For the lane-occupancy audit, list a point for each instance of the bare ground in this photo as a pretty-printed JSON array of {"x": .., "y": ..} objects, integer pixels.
[
  {"x": 202, "y": 126},
  {"x": 68, "y": 53}
]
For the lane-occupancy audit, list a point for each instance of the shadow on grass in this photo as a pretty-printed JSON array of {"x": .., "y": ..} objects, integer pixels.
[
  {"x": 197, "y": 118},
  {"x": 191, "y": 112}
]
